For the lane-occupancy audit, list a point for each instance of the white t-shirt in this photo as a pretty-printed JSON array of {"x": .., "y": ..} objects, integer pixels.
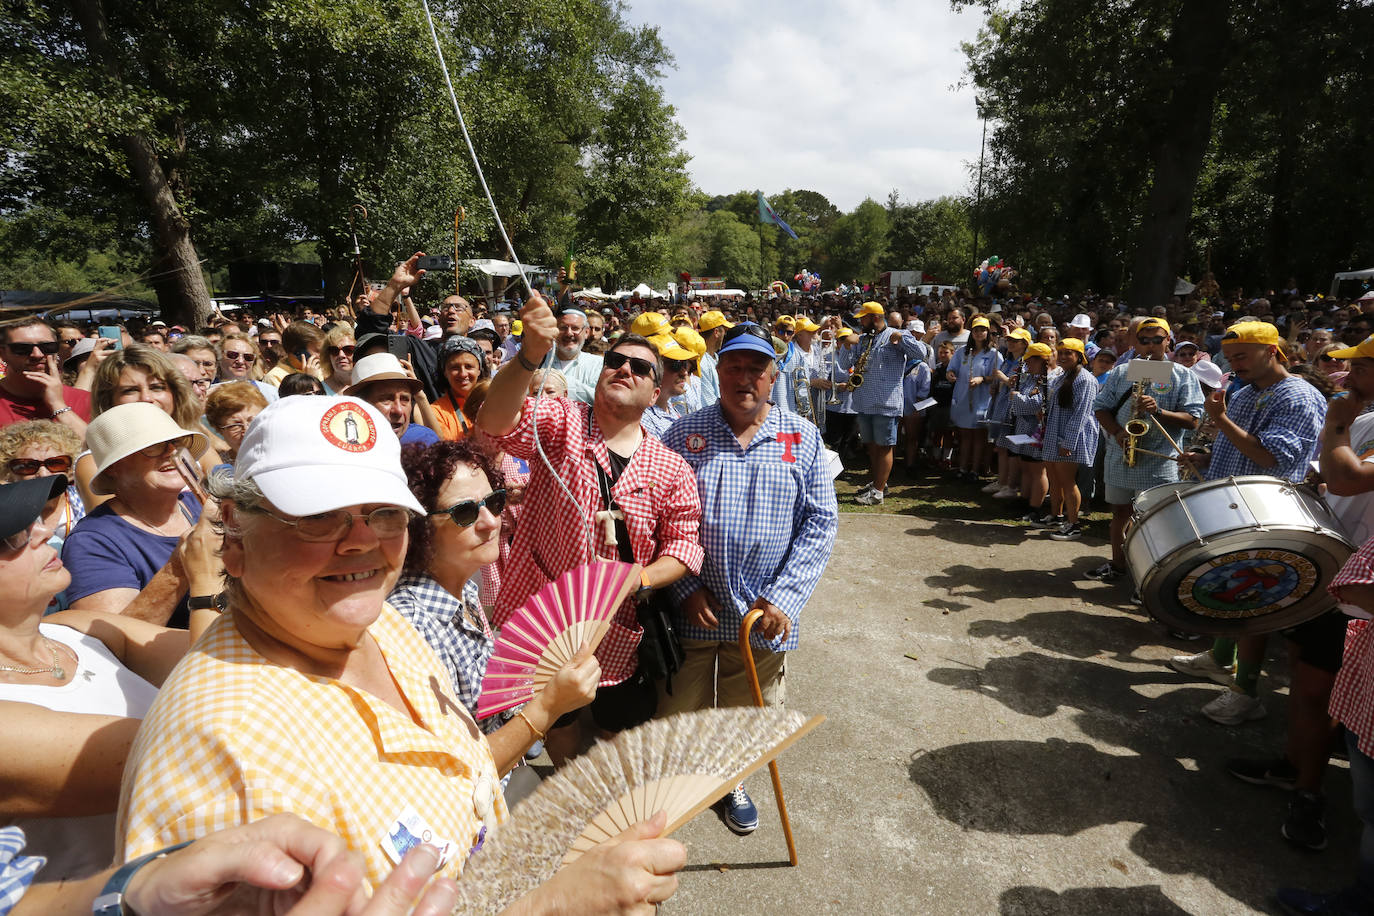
[
  {"x": 958, "y": 340},
  {"x": 77, "y": 847},
  {"x": 1356, "y": 513}
]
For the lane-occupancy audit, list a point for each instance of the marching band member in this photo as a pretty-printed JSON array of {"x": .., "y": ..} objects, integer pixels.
[
  {"x": 971, "y": 371},
  {"x": 1028, "y": 418},
  {"x": 878, "y": 364},
  {"x": 1008, "y": 377},
  {"x": 712, "y": 327},
  {"x": 1070, "y": 436},
  {"x": 678, "y": 365},
  {"x": 1177, "y": 404}
]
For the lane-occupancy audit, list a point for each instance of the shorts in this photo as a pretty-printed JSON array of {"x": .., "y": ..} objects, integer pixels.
[
  {"x": 1321, "y": 640},
  {"x": 1121, "y": 496},
  {"x": 875, "y": 429}
]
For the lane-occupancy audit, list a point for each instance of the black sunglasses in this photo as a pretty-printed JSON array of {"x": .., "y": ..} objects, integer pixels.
[
  {"x": 640, "y": 367},
  {"x": 679, "y": 365},
  {"x": 751, "y": 329},
  {"x": 47, "y": 347},
  {"x": 27, "y": 467},
  {"x": 465, "y": 513},
  {"x": 1150, "y": 341}
]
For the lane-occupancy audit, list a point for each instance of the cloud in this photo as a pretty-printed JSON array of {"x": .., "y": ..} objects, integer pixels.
[{"x": 851, "y": 100}]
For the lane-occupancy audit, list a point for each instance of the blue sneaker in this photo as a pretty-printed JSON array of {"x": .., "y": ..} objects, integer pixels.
[
  {"x": 1301, "y": 902},
  {"x": 740, "y": 814}
]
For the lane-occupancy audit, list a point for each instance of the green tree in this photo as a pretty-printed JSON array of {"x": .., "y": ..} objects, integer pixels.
[
  {"x": 734, "y": 250},
  {"x": 856, "y": 241},
  {"x": 933, "y": 236}
]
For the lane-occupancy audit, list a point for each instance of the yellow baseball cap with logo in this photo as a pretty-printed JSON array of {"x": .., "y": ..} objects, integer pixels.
[
  {"x": 1019, "y": 334},
  {"x": 1072, "y": 343},
  {"x": 1362, "y": 350},
  {"x": 649, "y": 324},
  {"x": 979, "y": 322},
  {"x": 870, "y": 308},
  {"x": 785, "y": 321}
]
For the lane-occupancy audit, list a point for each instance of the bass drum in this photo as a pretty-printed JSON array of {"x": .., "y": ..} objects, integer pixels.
[{"x": 1236, "y": 556}]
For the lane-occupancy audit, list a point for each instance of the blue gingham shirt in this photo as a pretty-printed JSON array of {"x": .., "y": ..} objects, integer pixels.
[
  {"x": 881, "y": 392},
  {"x": 768, "y": 518},
  {"x": 1286, "y": 418},
  {"x": 456, "y": 629},
  {"x": 655, "y": 420},
  {"x": 710, "y": 379},
  {"x": 1182, "y": 393},
  {"x": 16, "y": 870}
]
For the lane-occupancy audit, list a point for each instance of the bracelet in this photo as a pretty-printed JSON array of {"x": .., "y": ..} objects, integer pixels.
[
  {"x": 644, "y": 579},
  {"x": 538, "y": 735},
  {"x": 528, "y": 366},
  {"x": 60, "y": 411}
]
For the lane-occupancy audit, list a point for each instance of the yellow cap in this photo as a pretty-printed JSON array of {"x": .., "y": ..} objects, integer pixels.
[
  {"x": 1039, "y": 349},
  {"x": 806, "y": 324},
  {"x": 1072, "y": 343},
  {"x": 712, "y": 320},
  {"x": 1153, "y": 323},
  {"x": 1255, "y": 332},
  {"x": 847, "y": 332},
  {"x": 1362, "y": 350},
  {"x": 979, "y": 322},
  {"x": 516, "y": 327},
  {"x": 870, "y": 308},
  {"x": 649, "y": 323},
  {"x": 785, "y": 321},
  {"x": 668, "y": 348},
  {"x": 1019, "y": 334}
]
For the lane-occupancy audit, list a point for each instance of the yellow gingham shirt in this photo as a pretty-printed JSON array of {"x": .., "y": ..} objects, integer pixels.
[{"x": 233, "y": 738}]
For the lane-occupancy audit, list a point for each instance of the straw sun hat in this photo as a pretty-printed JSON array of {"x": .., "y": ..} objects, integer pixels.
[{"x": 127, "y": 428}]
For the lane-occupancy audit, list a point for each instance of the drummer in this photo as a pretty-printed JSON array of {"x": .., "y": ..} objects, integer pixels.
[
  {"x": 1270, "y": 427},
  {"x": 1177, "y": 405}
]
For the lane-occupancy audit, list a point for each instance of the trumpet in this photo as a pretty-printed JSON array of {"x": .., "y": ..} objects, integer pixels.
[{"x": 829, "y": 352}]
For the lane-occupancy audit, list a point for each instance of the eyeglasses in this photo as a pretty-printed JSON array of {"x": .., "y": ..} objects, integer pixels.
[
  {"x": 345, "y": 351},
  {"x": 35, "y": 533},
  {"x": 27, "y": 467},
  {"x": 1150, "y": 341},
  {"x": 464, "y": 514},
  {"x": 678, "y": 365},
  {"x": 640, "y": 367},
  {"x": 1325, "y": 357},
  {"x": 162, "y": 449},
  {"x": 200, "y": 383},
  {"x": 386, "y": 522},
  {"x": 238, "y": 426},
  {"x": 47, "y": 348},
  {"x": 235, "y": 356},
  {"x": 268, "y": 344}
]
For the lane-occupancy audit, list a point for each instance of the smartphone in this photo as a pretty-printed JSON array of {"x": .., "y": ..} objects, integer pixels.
[
  {"x": 435, "y": 262},
  {"x": 190, "y": 472},
  {"x": 301, "y": 357},
  {"x": 112, "y": 332},
  {"x": 396, "y": 346}
]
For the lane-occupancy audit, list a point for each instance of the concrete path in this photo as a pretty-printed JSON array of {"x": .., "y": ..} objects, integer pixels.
[{"x": 1034, "y": 756}]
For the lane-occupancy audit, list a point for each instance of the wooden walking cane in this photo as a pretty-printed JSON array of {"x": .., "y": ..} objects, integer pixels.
[{"x": 747, "y": 652}]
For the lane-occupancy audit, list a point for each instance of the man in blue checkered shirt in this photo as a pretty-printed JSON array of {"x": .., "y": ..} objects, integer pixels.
[{"x": 767, "y": 526}]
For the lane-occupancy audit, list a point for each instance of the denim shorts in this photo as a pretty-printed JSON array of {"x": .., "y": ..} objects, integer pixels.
[{"x": 875, "y": 429}]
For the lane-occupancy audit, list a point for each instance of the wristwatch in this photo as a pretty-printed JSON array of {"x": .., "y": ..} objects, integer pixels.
[
  {"x": 111, "y": 899},
  {"x": 205, "y": 602}
]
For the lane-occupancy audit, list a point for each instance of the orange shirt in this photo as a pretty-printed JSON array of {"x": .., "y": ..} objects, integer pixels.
[{"x": 448, "y": 415}]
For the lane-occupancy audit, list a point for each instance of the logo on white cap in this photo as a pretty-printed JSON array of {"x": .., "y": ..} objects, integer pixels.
[{"x": 349, "y": 427}]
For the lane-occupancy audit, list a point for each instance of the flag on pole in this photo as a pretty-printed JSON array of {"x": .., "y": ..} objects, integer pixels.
[{"x": 768, "y": 215}]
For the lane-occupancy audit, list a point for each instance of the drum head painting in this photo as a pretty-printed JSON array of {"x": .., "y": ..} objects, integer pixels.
[{"x": 1248, "y": 583}]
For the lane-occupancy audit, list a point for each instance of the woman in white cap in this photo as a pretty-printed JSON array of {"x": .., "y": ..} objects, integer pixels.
[
  {"x": 120, "y": 553},
  {"x": 73, "y": 687},
  {"x": 310, "y": 694}
]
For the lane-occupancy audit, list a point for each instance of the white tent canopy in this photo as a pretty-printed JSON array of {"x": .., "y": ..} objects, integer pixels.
[
  {"x": 495, "y": 268},
  {"x": 711, "y": 293},
  {"x": 643, "y": 291},
  {"x": 1350, "y": 275},
  {"x": 592, "y": 292}
]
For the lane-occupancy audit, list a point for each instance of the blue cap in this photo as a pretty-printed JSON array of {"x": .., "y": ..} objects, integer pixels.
[{"x": 748, "y": 336}]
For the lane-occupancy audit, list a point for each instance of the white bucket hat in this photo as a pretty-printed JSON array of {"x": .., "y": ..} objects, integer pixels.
[
  {"x": 127, "y": 428},
  {"x": 377, "y": 367},
  {"x": 313, "y": 455}
]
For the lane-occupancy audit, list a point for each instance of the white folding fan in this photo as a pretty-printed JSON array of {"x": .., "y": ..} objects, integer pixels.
[
  {"x": 546, "y": 632},
  {"x": 680, "y": 765}
]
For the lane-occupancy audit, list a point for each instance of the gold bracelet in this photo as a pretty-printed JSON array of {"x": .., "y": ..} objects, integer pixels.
[{"x": 538, "y": 735}]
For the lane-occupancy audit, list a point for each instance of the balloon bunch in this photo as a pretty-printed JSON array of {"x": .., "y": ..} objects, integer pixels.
[
  {"x": 993, "y": 274},
  {"x": 808, "y": 281}
]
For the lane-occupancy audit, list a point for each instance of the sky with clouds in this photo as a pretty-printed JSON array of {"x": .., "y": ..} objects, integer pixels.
[{"x": 850, "y": 99}]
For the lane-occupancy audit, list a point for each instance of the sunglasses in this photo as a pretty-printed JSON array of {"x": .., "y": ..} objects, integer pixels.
[
  {"x": 1325, "y": 357},
  {"x": 235, "y": 356},
  {"x": 614, "y": 360},
  {"x": 346, "y": 351},
  {"x": 464, "y": 514},
  {"x": 1150, "y": 341},
  {"x": 752, "y": 330},
  {"x": 386, "y": 522},
  {"x": 47, "y": 348},
  {"x": 27, "y": 467},
  {"x": 163, "y": 449},
  {"x": 678, "y": 365}
]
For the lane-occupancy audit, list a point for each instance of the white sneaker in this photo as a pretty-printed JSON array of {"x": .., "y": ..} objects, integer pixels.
[
  {"x": 870, "y": 497},
  {"x": 1233, "y": 708},
  {"x": 1202, "y": 665},
  {"x": 1007, "y": 493},
  {"x": 867, "y": 488},
  {"x": 992, "y": 487}
]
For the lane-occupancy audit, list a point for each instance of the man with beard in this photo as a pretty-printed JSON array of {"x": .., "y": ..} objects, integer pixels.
[
  {"x": 768, "y": 526},
  {"x": 582, "y": 370},
  {"x": 880, "y": 361},
  {"x": 599, "y": 487}
]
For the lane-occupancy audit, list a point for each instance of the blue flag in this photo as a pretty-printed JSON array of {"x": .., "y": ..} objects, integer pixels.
[{"x": 768, "y": 215}]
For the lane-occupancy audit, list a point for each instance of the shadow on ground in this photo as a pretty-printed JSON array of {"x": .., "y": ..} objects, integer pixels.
[{"x": 1147, "y": 900}]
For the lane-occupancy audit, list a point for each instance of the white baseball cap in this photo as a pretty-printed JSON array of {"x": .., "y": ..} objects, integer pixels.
[
  {"x": 1081, "y": 320},
  {"x": 316, "y": 454}
]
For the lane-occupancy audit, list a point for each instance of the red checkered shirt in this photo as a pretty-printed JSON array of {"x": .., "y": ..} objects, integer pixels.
[
  {"x": 1352, "y": 697},
  {"x": 657, "y": 492}
]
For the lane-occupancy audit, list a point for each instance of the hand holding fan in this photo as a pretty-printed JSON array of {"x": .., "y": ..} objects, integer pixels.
[
  {"x": 543, "y": 635},
  {"x": 681, "y": 765}
]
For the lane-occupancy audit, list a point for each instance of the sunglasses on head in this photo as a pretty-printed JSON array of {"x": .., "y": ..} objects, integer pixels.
[
  {"x": 464, "y": 514},
  {"x": 27, "y": 467},
  {"x": 752, "y": 330},
  {"x": 47, "y": 348},
  {"x": 640, "y": 367}
]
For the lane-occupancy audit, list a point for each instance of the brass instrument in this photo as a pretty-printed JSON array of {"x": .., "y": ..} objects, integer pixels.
[
  {"x": 801, "y": 390},
  {"x": 829, "y": 353},
  {"x": 1136, "y": 427},
  {"x": 856, "y": 375}
]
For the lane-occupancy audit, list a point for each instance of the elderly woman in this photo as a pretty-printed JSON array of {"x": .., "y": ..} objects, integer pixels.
[
  {"x": 311, "y": 694},
  {"x": 140, "y": 374},
  {"x": 229, "y": 410},
  {"x": 463, "y": 495},
  {"x": 463, "y": 364},
  {"x": 240, "y": 361},
  {"x": 42, "y": 448},
  {"x": 339, "y": 345},
  {"x": 119, "y": 554},
  {"x": 73, "y": 688}
]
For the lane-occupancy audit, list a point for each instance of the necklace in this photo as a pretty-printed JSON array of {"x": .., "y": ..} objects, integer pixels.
[
  {"x": 157, "y": 529},
  {"x": 56, "y": 670}
]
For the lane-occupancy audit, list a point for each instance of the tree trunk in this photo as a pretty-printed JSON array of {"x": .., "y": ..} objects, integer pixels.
[
  {"x": 180, "y": 285},
  {"x": 1201, "y": 36}
]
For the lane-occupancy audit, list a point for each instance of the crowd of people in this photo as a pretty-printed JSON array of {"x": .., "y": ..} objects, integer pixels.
[{"x": 340, "y": 511}]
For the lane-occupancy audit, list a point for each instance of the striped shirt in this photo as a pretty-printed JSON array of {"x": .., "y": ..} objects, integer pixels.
[{"x": 16, "y": 870}]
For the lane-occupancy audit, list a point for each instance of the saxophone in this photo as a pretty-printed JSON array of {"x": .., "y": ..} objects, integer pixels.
[
  {"x": 1135, "y": 426},
  {"x": 856, "y": 375}
]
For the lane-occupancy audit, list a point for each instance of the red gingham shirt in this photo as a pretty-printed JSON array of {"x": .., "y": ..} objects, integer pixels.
[
  {"x": 1352, "y": 697},
  {"x": 657, "y": 492}
]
